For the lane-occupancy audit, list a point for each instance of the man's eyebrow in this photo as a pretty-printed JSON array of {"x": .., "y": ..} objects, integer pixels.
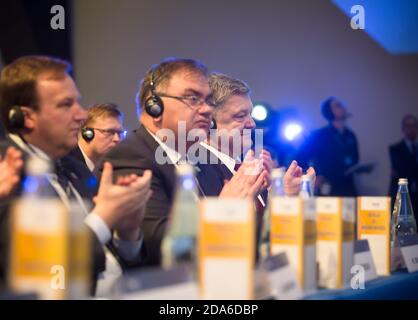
[
  {"x": 65, "y": 99},
  {"x": 193, "y": 92}
]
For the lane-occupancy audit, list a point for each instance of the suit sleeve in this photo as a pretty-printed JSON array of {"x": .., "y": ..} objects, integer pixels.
[{"x": 157, "y": 207}]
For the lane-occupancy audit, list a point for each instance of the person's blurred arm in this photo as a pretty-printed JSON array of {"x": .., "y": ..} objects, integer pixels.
[{"x": 10, "y": 169}]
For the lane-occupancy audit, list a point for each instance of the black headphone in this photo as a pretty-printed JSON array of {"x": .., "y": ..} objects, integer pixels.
[
  {"x": 16, "y": 119},
  {"x": 154, "y": 106},
  {"x": 213, "y": 124},
  {"x": 87, "y": 134}
]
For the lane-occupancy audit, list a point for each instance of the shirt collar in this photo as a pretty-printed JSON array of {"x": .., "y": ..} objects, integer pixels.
[
  {"x": 29, "y": 148},
  {"x": 172, "y": 154},
  {"x": 89, "y": 163}
]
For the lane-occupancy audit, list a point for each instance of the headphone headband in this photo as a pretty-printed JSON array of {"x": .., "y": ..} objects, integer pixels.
[{"x": 154, "y": 106}]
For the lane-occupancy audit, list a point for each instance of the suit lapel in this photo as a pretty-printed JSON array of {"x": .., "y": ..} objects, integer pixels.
[{"x": 168, "y": 170}]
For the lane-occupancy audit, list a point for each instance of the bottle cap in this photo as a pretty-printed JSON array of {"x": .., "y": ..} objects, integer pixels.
[{"x": 403, "y": 181}]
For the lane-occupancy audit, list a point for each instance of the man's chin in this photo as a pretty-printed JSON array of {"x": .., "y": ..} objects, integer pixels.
[{"x": 201, "y": 132}]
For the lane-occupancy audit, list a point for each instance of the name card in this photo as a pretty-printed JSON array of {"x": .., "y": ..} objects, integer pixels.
[
  {"x": 409, "y": 249},
  {"x": 49, "y": 253},
  {"x": 363, "y": 257},
  {"x": 335, "y": 240},
  {"x": 159, "y": 284},
  {"x": 293, "y": 231},
  {"x": 282, "y": 278},
  {"x": 373, "y": 216},
  {"x": 226, "y": 246}
]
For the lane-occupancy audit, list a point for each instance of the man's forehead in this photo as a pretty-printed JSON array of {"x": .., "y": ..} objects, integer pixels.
[
  {"x": 337, "y": 103},
  {"x": 189, "y": 80},
  {"x": 237, "y": 103},
  {"x": 107, "y": 119},
  {"x": 59, "y": 87},
  {"x": 411, "y": 122}
]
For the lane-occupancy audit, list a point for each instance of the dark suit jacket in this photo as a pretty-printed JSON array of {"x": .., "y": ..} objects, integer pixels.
[
  {"x": 78, "y": 155},
  {"x": 404, "y": 165},
  {"x": 332, "y": 153},
  {"x": 136, "y": 154},
  {"x": 86, "y": 185}
]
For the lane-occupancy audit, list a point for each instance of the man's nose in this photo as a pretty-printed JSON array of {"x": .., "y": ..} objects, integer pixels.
[
  {"x": 250, "y": 123},
  {"x": 205, "y": 109},
  {"x": 80, "y": 113},
  {"x": 116, "y": 137}
]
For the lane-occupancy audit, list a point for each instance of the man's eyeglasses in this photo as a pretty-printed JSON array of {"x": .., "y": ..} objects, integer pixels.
[
  {"x": 191, "y": 101},
  {"x": 108, "y": 133}
]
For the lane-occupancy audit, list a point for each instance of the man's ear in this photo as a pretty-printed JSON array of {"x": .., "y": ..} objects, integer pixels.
[
  {"x": 157, "y": 120},
  {"x": 30, "y": 117}
]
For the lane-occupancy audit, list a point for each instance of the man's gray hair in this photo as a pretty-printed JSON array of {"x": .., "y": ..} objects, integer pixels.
[{"x": 223, "y": 87}]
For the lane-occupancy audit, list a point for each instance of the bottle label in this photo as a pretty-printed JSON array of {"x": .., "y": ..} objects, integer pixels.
[
  {"x": 227, "y": 242},
  {"x": 293, "y": 230},
  {"x": 50, "y": 253},
  {"x": 335, "y": 227},
  {"x": 373, "y": 224}
]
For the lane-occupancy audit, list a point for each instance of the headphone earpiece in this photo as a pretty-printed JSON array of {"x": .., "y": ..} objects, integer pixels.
[
  {"x": 87, "y": 134},
  {"x": 16, "y": 118},
  {"x": 154, "y": 106},
  {"x": 213, "y": 124}
]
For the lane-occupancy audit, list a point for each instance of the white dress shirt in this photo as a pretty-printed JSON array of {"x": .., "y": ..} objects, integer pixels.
[
  {"x": 89, "y": 163},
  {"x": 175, "y": 158}
]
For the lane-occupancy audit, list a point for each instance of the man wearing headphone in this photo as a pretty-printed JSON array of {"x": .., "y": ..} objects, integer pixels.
[
  {"x": 102, "y": 131},
  {"x": 173, "y": 92},
  {"x": 39, "y": 105},
  {"x": 332, "y": 150}
]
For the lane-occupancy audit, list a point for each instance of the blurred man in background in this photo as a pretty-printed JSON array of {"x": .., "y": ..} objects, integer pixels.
[
  {"x": 333, "y": 151},
  {"x": 404, "y": 160},
  {"x": 102, "y": 131}
]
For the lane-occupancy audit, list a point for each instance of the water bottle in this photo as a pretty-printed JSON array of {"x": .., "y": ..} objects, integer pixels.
[
  {"x": 306, "y": 190},
  {"x": 277, "y": 176},
  {"x": 402, "y": 223},
  {"x": 179, "y": 243},
  {"x": 50, "y": 250},
  {"x": 277, "y": 190}
]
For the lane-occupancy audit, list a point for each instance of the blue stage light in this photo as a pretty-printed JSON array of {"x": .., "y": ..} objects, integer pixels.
[{"x": 292, "y": 131}]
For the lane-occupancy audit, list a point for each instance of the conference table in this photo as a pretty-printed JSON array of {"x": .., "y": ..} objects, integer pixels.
[{"x": 401, "y": 285}]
